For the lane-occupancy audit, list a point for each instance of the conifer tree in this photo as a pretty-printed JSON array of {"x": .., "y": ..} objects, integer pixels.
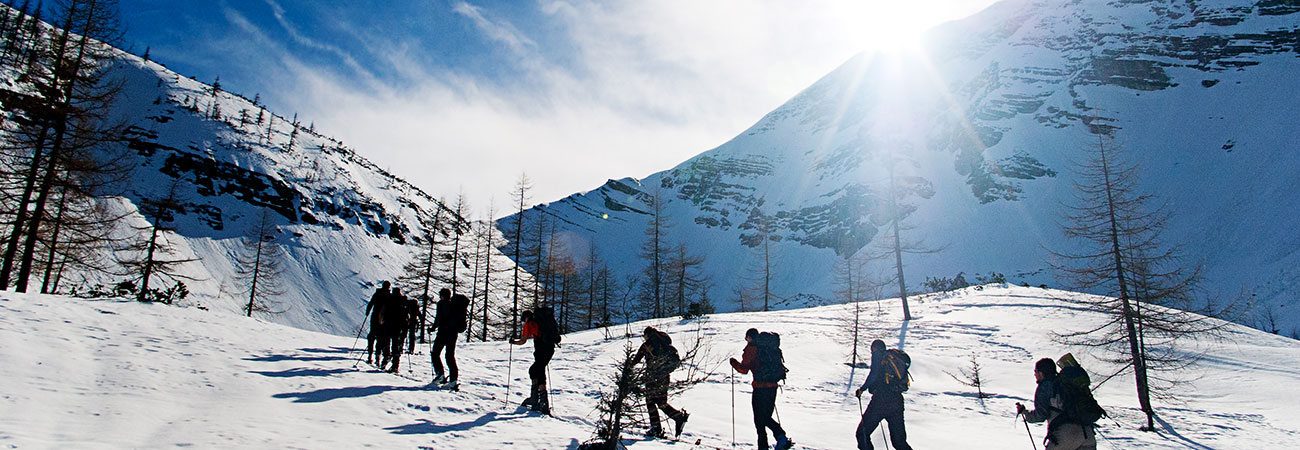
[
  {"x": 520, "y": 197},
  {"x": 1147, "y": 289},
  {"x": 60, "y": 123},
  {"x": 655, "y": 253},
  {"x": 155, "y": 256},
  {"x": 259, "y": 264},
  {"x": 760, "y": 270},
  {"x": 901, "y": 190}
]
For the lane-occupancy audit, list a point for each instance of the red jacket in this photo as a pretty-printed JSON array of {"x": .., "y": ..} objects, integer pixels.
[
  {"x": 530, "y": 330},
  {"x": 749, "y": 362}
]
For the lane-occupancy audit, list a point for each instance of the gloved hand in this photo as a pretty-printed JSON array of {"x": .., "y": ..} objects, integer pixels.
[
  {"x": 857, "y": 392},
  {"x": 1020, "y": 409},
  {"x": 735, "y": 364}
]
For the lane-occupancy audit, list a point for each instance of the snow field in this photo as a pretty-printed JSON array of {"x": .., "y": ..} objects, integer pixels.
[{"x": 111, "y": 374}]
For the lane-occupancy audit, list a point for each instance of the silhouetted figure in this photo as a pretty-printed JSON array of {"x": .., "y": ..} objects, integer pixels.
[
  {"x": 452, "y": 312},
  {"x": 378, "y": 298}
]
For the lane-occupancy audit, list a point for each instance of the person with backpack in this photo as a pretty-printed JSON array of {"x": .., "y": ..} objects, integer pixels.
[
  {"x": 886, "y": 381},
  {"x": 450, "y": 321},
  {"x": 539, "y": 326},
  {"x": 1070, "y": 415},
  {"x": 661, "y": 359},
  {"x": 762, "y": 356},
  {"x": 393, "y": 315},
  {"x": 372, "y": 310}
]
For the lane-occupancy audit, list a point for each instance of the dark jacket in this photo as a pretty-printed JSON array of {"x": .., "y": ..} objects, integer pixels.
[
  {"x": 1047, "y": 402},
  {"x": 376, "y": 305},
  {"x": 442, "y": 315},
  {"x": 653, "y": 351},
  {"x": 876, "y": 373},
  {"x": 451, "y": 316}
]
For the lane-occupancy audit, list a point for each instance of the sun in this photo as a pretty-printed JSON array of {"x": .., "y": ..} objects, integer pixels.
[
  {"x": 889, "y": 26},
  {"x": 897, "y": 26}
]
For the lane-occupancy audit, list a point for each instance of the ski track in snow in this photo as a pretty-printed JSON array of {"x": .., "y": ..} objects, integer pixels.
[{"x": 114, "y": 374}]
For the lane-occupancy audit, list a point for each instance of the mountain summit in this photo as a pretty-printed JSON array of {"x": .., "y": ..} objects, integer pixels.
[{"x": 978, "y": 132}]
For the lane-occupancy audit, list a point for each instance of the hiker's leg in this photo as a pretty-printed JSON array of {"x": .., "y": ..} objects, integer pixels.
[
  {"x": 437, "y": 362},
  {"x": 877, "y": 409},
  {"x": 370, "y": 345},
  {"x": 866, "y": 426},
  {"x": 1089, "y": 438},
  {"x": 451, "y": 359},
  {"x": 897, "y": 429},
  {"x": 652, "y": 403},
  {"x": 1067, "y": 436},
  {"x": 762, "y": 407},
  {"x": 397, "y": 350},
  {"x": 777, "y": 431}
]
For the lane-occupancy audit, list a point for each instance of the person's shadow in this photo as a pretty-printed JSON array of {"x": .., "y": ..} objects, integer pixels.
[{"x": 327, "y": 394}]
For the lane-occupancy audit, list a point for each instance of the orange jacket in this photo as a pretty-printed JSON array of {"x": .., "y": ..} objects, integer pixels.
[{"x": 749, "y": 362}]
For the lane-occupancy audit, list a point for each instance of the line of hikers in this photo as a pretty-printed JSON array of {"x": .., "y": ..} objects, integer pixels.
[
  {"x": 395, "y": 319},
  {"x": 1062, "y": 399}
]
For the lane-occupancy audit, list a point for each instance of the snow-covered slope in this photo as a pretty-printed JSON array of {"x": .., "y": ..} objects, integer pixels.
[
  {"x": 345, "y": 223},
  {"x": 114, "y": 374},
  {"x": 985, "y": 123}
]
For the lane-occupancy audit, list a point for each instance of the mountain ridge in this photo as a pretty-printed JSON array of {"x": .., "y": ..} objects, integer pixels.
[{"x": 987, "y": 124}]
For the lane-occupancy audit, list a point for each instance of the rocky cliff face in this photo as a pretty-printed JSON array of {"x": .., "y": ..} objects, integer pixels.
[{"x": 976, "y": 135}]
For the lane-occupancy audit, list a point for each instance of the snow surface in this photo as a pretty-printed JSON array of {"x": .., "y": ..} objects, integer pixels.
[{"x": 113, "y": 374}]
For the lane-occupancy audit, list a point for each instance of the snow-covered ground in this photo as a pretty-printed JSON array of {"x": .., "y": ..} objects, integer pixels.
[{"x": 112, "y": 374}]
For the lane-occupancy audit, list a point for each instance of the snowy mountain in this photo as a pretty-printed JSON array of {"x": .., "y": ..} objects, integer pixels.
[
  {"x": 983, "y": 125},
  {"x": 120, "y": 374},
  {"x": 345, "y": 224}
]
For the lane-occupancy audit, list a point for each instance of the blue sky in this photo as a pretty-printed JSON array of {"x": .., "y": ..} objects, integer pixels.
[{"x": 463, "y": 96}]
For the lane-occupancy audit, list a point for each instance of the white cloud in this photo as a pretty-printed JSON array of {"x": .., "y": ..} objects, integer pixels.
[{"x": 651, "y": 84}]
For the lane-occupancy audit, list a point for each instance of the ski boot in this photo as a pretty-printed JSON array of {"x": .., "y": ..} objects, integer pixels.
[
  {"x": 680, "y": 422},
  {"x": 543, "y": 404},
  {"x": 656, "y": 432},
  {"x": 783, "y": 443}
]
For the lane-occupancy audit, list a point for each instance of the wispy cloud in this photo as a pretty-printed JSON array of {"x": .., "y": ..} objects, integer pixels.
[
  {"x": 646, "y": 85},
  {"x": 299, "y": 38},
  {"x": 497, "y": 30}
]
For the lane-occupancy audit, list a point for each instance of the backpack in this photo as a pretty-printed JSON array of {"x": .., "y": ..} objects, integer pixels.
[
  {"x": 771, "y": 363},
  {"x": 548, "y": 331},
  {"x": 1077, "y": 403},
  {"x": 666, "y": 358},
  {"x": 394, "y": 313},
  {"x": 895, "y": 364},
  {"x": 460, "y": 305}
]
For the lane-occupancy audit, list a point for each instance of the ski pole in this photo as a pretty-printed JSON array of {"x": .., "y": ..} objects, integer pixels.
[
  {"x": 1031, "y": 434},
  {"x": 885, "y": 433},
  {"x": 733, "y": 409},
  {"x": 510, "y": 366},
  {"x": 360, "y": 328}
]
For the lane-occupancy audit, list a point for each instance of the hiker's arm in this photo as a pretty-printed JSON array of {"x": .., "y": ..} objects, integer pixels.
[
  {"x": 529, "y": 332},
  {"x": 1042, "y": 404},
  {"x": 746, "y": 362},
  {"x": 873, "y": 374},
  {"x": 640, "y": 354}
]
